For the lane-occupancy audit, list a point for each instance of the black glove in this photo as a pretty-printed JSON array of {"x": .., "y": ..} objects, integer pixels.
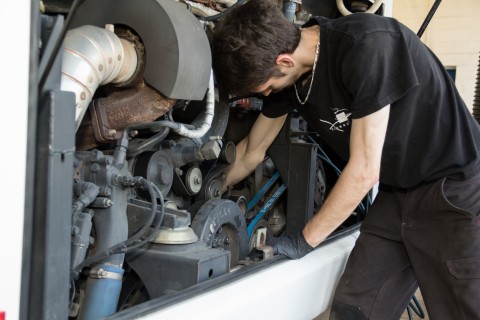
[{"x": 294, "y": 246}]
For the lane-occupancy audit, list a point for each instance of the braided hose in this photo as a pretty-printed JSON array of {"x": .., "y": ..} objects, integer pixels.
[{"x": 208, "y": 116}]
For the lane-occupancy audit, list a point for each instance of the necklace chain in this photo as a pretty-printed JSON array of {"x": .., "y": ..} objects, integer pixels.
[{"x": 313, "y": 73}]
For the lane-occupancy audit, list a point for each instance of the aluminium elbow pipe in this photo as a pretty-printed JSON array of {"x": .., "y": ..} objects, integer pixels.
[{"x": 92, "y": 57}]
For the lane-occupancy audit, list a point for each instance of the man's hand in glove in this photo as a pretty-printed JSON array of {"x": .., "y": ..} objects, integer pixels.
[{"x": 294, "y": 246}]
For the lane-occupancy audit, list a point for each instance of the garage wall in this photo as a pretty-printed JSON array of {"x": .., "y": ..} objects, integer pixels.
[{"x": 453, "y": 34}]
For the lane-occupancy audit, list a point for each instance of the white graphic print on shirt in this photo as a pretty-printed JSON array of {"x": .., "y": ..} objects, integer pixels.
[{"x": 341, "y": 117}]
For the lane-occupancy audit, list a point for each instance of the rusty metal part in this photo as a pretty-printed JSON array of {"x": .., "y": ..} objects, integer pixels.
[
  {"x": 261, "y": 245},
  {"x": 277, "y": 220},
  {"x": 112, "y": 114},
  {"x": 252, "y": 243},
  {"x": 108, "y": 116},
  {"x": 92, "y": 57},
  {"x": 85, "y": 138},
  {"x": 125, "y": 34}
]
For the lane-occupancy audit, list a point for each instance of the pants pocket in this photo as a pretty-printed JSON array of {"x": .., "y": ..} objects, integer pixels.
[
  {"x": 463, "y": 195},
  {"x": 466, "y": 285},
  {"x": 468, "y": 268}
]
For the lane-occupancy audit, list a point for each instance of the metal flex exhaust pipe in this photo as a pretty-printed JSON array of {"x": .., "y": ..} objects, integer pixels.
[{"x": 93, "y": 57}]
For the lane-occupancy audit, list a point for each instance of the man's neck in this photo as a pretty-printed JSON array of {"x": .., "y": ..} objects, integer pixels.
[
  {"x": 308, "y": 44},
  {"x": 306, "y": 51}
]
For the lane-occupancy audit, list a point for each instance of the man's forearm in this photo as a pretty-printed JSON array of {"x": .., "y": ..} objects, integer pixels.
[
  {"x": 250, "y": 152},
  {"x": 349, "y": 190},
  {"x": 236, "y": 173},
  {"x": 243, "y": 165},
  {"x": 359, "y": 176}
]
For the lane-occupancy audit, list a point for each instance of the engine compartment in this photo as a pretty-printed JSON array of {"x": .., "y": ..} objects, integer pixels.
[{"x": 141, "y": 138}]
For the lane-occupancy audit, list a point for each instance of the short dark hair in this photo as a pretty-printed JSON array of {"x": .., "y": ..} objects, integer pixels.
[{"x": 246, "y": 43}]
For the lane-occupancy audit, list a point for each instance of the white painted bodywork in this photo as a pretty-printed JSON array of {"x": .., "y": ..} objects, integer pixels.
[
  {"x": 14, "y": 63},
  {"x": 292, "y": 289}
]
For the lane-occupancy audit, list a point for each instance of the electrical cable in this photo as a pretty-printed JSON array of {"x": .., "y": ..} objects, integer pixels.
[
  {"x": 123, "y": 246},
  {"x": 415, "y": 305},
  {"x": 324, "y": 157},
  {"x": 148, "y": 185},
  {"x": 147, "y": 143},
  {"x": 153, "y": 233},
  {"x": 409, "y": 312},
  {"x": 74, "y": 289}
]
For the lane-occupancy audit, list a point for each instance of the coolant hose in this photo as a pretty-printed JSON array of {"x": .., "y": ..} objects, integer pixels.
[
  {"x": 105, "y": 280},
  {"x": 92, "y": 57},
  {"x": 207, "y": 121},
  {"x": 102, "y": 292},
  {"x": 180, "y": 128}
]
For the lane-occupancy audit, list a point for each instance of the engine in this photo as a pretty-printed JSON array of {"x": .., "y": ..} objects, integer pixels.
[{"x": 152, "y": 139}]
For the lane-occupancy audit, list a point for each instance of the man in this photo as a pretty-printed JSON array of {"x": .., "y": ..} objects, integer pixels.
[{"x": 382, "y": 100}]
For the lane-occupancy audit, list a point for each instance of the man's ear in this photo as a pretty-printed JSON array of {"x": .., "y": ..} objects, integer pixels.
[{"x": 285, "y": 60}]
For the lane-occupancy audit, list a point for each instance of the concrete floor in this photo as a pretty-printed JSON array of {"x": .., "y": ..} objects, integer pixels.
[{"x": 414, "y": 315}]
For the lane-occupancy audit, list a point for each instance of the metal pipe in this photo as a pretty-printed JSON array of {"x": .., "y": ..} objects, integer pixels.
[
  {"x": 92, "y": 57},
  {"x": 428, "y": 18},
  {"x": 344, "y": 11},
  {"x": 58, "y": 43}
]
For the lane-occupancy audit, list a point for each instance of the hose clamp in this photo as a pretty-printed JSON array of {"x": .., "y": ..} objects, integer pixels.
[{"x": 99, "y": 273}]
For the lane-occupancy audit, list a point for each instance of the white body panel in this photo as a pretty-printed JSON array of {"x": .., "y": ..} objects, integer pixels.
[
  {"x": 14, "y": 63},
  {"x": 294, "y": 289}
]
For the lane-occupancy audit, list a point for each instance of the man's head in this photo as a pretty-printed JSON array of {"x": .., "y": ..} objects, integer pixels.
[{"x": 247, "y": 45}]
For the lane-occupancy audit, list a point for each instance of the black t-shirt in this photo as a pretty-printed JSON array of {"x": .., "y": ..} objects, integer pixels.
[{"x": 367, "y": 62}]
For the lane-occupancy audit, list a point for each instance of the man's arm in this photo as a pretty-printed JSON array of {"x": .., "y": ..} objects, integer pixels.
[
  {"x": 250, "y": 152},
  {"x": 360, "y": 174}
]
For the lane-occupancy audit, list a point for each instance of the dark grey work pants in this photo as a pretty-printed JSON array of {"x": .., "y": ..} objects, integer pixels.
[{"x": 427, "y": 237}]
